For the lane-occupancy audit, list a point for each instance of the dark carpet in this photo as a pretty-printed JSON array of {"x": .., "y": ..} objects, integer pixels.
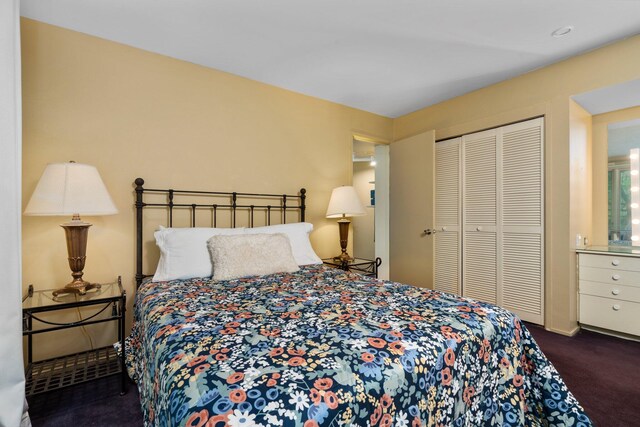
[
  {"x": 96, "y": 404},
  {"x": 603, "y": 373}
]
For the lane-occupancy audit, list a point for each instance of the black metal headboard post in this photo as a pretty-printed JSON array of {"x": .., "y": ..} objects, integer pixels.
[
  {"x": 303, "y": 201},
  {"x": 139, "y": 205},
  {"x": 232, "y": 204}
]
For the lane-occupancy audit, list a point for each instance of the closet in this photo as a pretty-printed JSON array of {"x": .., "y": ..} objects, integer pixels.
[{"x": 489, "y": 217}]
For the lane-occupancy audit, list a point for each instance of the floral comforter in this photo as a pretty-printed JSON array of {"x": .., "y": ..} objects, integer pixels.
[{"x": 323, "y": 347}]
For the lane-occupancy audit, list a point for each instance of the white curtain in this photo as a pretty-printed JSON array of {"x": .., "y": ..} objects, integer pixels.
[{"x": 11, "y": 369}]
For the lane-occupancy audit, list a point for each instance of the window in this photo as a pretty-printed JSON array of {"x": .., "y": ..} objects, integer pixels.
[{"x": 619, "y": 186}]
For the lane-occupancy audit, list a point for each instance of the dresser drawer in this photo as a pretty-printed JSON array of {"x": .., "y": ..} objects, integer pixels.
[
  {"x": 622, "y": 316},
  {"x": 610, "y": 261},
  {"x": 606, "y": 275},
  {"x": 607, "y": 290}
]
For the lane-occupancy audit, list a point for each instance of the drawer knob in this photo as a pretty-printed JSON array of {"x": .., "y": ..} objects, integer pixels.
[
  {"x": 615, "y": 291},
  {"x": 479, "y": 228},
  {"x": 616, "y": 307},
  {"x": 616, "y": 277},
  {"x": 615, "y": 262}
]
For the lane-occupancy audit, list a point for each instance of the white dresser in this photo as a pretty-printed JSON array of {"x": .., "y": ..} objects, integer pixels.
[{"x": 609, "y": 289}]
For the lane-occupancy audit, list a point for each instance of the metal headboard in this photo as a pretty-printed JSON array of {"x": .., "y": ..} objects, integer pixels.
[{"x": 217, "y": 201}]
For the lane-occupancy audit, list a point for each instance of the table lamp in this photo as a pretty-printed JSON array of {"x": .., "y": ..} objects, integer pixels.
[
  {"x": 344, "y": 203},
  {"x": 72, "y": 189}
]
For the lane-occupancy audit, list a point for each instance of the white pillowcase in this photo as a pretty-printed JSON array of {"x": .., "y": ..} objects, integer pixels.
[
  {"x": 298, "y": 234},
  {"x": 184, "y": 253},
  {"x": 250, "y": 255}
]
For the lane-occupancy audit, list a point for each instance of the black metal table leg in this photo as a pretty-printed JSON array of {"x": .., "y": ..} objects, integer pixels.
[
  {"x": 29, "y": 340},
  {"x": 123, "y": 377}
]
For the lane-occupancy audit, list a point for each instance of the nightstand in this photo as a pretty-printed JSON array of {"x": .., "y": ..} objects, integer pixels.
[
  {"x": 366, "y": 267},
  {"x": 64, "y": 371}
]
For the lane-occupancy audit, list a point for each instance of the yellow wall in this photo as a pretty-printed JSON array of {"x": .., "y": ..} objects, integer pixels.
[
  {"x": 580, "y": 189},
  {"x": 546, "y": 92},
  {"x": 133, "y": 114},
  {"x": 580, "y": 154},
  {"x": 600, "y": 168}
]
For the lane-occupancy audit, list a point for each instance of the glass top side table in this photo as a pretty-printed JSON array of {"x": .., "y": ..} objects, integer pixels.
[{"x": 64, "y": 371}]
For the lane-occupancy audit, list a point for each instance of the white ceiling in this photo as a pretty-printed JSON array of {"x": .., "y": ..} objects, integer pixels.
[
  {"x": 389, "y": 57},
  {"x": 611, "y": 98}
]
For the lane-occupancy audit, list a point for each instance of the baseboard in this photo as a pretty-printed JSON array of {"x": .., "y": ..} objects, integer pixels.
[
  {"x": 611, "y": 333},
  {"x": 568, "y": 333}
]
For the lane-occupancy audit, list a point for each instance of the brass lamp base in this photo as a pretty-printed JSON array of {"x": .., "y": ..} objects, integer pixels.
[
  {"x": 343, "y": 225},
  {"x": 343, "y": 258},
  {"x": 76, "y": 287},
  {"x": 76, "y": 232}
]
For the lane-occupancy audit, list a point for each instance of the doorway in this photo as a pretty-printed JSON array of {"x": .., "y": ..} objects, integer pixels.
[{"x": 370, "y": 162}]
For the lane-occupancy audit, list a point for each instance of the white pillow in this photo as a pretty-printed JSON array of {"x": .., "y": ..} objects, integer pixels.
[
  {"x": 250, "y": 255},
  {"x": 184, "y": 253},
  {"x": 298, "y": 234}
]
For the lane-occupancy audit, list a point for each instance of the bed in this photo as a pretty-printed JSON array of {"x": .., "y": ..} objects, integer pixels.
[{"x": 324, "y": 347}]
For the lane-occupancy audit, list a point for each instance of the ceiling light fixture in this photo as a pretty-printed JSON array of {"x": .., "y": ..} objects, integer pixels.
[{"x": 562, "y": 31}]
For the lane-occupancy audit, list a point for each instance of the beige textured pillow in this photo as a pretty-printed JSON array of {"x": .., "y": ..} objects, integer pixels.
[{"x": 250, "y": 255}]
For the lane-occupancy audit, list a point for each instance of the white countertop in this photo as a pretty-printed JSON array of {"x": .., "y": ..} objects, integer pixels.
[{"x": 631, "y": 251}]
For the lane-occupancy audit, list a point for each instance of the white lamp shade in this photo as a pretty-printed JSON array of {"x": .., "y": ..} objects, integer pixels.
[
  {"x": 70, "y": 188},
  {"x": 345, "y": 202}
]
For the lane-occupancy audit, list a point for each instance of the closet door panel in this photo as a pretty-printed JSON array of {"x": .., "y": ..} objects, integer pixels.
[
  {"x": 522, "y": 175},
  {"x": 447, "y": 263},
  {"x": 522, "y": 218},
  {"x": 480, "y": 266},
  {"x": 480, "y": 216},
  {"x": 479, "y": 174},
  {"x": 447, "y": 274},
  {"x": 521, "y": 275}
]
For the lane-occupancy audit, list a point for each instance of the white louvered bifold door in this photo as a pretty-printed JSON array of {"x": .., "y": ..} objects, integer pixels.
[
  {"x": 480, "y": 217},
  {"x": 522, "y": 219},
  {"x": 447, "y": 274}
]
